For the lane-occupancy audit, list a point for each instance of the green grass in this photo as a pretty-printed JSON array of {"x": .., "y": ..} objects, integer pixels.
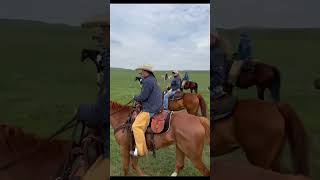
[
  {"x": 42, "y": 78},
  {"x": 296, "y": 53},
  {"x": 122, "y": 89}
]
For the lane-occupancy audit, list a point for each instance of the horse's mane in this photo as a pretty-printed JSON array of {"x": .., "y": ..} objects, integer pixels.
[{"x": 117, "y": 106}]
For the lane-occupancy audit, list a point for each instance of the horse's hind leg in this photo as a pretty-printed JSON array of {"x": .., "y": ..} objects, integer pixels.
[
  {"x": 197, "y": 162},
  {"x": 194, "y": 153},
  {"x": 180, "y": 156}
]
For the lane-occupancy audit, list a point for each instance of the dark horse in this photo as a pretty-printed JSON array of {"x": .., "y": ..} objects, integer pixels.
[
  {"x": 193, "y": 86},
  {"x": 258, "y": 74}
]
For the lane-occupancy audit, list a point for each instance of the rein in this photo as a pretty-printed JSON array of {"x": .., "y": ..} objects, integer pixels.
[{"x": 66, "y": 127}]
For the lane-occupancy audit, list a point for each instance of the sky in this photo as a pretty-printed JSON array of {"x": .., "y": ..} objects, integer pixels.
[
  {"x": 266, "y": 13},
  {"x": 167, "y": 36},
  {"x": 71, "y": 12}
]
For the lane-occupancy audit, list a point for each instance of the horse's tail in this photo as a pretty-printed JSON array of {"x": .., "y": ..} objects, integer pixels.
[
  {"x": 205, "y": 123},
  {"x": 297, "y": 138},
  {"x": 196, "y": 87},
  {"x": 203, "y": 105},
  {"x": 276, "y": 83}
]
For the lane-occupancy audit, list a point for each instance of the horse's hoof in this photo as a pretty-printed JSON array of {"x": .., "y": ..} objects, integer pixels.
[{"x": 174, "y": 174}]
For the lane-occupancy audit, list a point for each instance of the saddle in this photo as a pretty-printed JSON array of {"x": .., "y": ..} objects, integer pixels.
[
  {"x": 160, "y": 122},
  {"x": 223, "y": 107},
  {"x": 177, "y": 96},
  {"x": 248, "y": 66}
]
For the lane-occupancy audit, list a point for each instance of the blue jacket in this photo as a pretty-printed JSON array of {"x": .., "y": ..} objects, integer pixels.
[
  {"x": 176, "y": 83},
  {"x": 244, "y": 49},
  {"x": 150, "y": 96}
]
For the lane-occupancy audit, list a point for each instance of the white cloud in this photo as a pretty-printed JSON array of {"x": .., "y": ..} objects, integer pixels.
[{"x": 166, "y": 36}]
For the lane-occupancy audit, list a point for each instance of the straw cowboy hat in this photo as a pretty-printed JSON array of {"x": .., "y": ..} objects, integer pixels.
[{"x": 146, "y": 67}]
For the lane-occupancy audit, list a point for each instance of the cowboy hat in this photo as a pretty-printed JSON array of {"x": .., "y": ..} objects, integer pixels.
[
  {"x": 146, "y": 67},
  {"x": 175, "y": 72}
]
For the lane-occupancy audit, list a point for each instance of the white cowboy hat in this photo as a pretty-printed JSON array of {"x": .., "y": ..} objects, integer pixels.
[
  {"x": 146, "y": 67},
  {"x": 175, "y": 72}
]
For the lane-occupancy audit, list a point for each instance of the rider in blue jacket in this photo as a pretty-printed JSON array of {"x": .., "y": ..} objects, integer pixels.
[
  {"x": 245, "y": 47},
  {"x": 175, "y": 86}
]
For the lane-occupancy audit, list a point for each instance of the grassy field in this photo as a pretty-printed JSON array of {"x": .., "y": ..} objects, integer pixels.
[
  {"x": 295, "y": 53},
  {"x": 122, "y": 89},
  {"x": 42, "y": 78}
]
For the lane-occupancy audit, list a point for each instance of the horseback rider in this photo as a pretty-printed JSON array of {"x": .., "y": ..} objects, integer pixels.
[
  {"x": 244, "y": 48},
  {"x": 245, "y": 51},
  {"x": 175, "y": 86},
  {"x": 217, "y": 61},
  {"x": 185, "y": 79},
  {"x": 151, "y": 98}
]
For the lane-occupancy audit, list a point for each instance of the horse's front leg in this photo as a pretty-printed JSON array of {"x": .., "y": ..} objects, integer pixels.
[
  {"x": 125, "y": 156},
  {"x": 136, "y": 167}
]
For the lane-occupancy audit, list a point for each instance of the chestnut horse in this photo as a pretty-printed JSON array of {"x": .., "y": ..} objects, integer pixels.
[
  {"x": 222, "y": 169},
  {"x": 187, "y": 131},
  {"x": 191, "y": 102},
  {"x": 263, "y": 76},
  {"x": 261, "y": 129},
  {"x": 42, "y": 165}
]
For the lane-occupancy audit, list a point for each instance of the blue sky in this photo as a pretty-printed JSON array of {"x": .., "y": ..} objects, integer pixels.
[{"x": 168, "y": 36}]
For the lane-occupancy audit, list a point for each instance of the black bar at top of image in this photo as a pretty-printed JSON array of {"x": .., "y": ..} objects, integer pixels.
[
  {"x": 160, "y": 1},
  {"x": 160, "y": 177}
]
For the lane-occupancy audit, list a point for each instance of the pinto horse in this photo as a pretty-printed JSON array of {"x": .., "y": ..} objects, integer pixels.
[
  {"x": 193, "y": 86},
  {"x": 187, "y": 131},
  {"x": 262, "y": 75},
  {"x": 260, "y": 129}
]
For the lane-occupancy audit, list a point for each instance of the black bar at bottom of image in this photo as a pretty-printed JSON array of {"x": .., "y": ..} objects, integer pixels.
[{"x": 160, "y": 177}]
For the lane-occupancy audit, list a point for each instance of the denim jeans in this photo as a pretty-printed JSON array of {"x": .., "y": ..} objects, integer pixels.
[{"x": 166, "y": 98}]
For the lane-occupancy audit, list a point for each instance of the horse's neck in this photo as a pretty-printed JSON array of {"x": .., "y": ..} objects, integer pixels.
[{"x": 119, "y": 115}]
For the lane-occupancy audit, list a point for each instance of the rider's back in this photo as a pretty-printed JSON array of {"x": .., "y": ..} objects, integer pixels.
[{"x": 152, "y": 102}]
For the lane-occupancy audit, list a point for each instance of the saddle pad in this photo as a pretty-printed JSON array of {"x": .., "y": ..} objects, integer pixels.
[
  {"x": 159, "y": 122},
  {"x": 223, "y": 107}
]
